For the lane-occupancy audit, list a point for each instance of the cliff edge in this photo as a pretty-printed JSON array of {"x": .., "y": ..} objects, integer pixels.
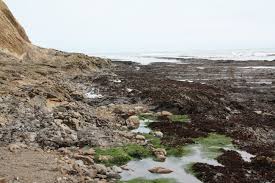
[
  {"x": 15, "y": 44},
  {"x": 13, "y": 38}
]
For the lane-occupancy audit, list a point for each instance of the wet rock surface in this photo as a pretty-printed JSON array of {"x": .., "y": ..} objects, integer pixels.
[
  {"x": 56, "y": 107},
  {"x": 45, "y": 106},
  {"x": 160, "y": 170},
  {"x": 225, "y": 105},
  {"x": 236, "y": 170}
]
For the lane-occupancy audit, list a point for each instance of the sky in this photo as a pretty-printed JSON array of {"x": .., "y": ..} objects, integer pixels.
[{"x": 106, "y": 26}]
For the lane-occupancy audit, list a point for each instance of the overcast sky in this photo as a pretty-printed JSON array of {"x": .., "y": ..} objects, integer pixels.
[{"x": 94, "y": 26}]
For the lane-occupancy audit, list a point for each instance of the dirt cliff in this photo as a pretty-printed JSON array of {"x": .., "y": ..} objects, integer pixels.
[
  {"x": 14, "y": 39},
  {"x": 15, "y": 44}
]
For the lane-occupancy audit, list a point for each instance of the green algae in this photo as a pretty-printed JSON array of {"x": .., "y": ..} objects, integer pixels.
[
  {"x": 188, "y": 169},
  {"x": 171, "y": 151},
  {"x": 179, "y": 151},
  {"x": 121, "y": 155},
  {"x": 155, "y": 141},
  {"x": 147, "y": 116},
  {"x": 213, "y": 143}
]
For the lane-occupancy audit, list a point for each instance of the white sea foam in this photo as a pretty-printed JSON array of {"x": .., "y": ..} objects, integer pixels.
[
  {"x": 94, "y": 94},
  {"x": 258, "y": 67},
  {"x": 117, "y": 81},
  {"x": 173, "y": 57},
  {"x": 245, "y": 155}
]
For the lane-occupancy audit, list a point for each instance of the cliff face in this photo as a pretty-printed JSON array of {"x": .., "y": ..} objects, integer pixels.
[
  {"x": 13, "y": 38},
  {"x": 15, "y": 44}
]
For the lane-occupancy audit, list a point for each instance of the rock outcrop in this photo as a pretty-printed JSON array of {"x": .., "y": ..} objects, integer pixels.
[
  {"x": 15, "y": 44},
  {"x": 13, "y": 38}
]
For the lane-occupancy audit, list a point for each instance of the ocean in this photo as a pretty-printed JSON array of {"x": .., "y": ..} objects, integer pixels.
[{"x": 151, "y": 57}]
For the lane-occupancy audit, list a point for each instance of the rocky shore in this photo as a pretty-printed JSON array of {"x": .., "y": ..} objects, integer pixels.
[
  {"x": 69, "y": 117},
  {"x": 64, "y": 113}
]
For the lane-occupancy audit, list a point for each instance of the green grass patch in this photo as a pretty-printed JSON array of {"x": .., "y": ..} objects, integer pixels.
[
  {"x": 121, "y": 155},
  {"x": 212, "y": 144},
  {"x": 140, "y": 180},
  {"x": 179, "y": 118}
]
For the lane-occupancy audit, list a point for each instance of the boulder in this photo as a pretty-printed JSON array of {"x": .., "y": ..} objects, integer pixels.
[
  {"x": 102, "y": 181},
  {"x": 79, "y": 163},
  {"x": 101, "y": 176},
  {"x": 105, "y": 158},
  {"x": 139, "y": 109},
  {"x": 158, "y": 134},
  {"x": 101, "y": 169},
  {"x": 124, "y": 128},
  {"x": 124, "y": 167},
  {"x": 90, "y": 173},
  {"x": 113, "y": 175},
  {"x": 3, "y": 121},
  {"x": 89, "y": 151},
  {"x": 160, "y": 170},
  {"x": 160, "y": 154},
  {"x": 133, "y": 122},
  {"x": 166, "y": 113},
  {"x": 140, "y": 137},
  {"x": 16, "y": 147},
  {"x": 76, "y": 114},
  {"x": 31, "y": 136},
  {"x": 127, "y": 134},
  {"x": 117, "y": 169},
  {"x": 74, "y": 123},
  {"x": 64, "y": 150},
  {"x": 86, "y": 159}
]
